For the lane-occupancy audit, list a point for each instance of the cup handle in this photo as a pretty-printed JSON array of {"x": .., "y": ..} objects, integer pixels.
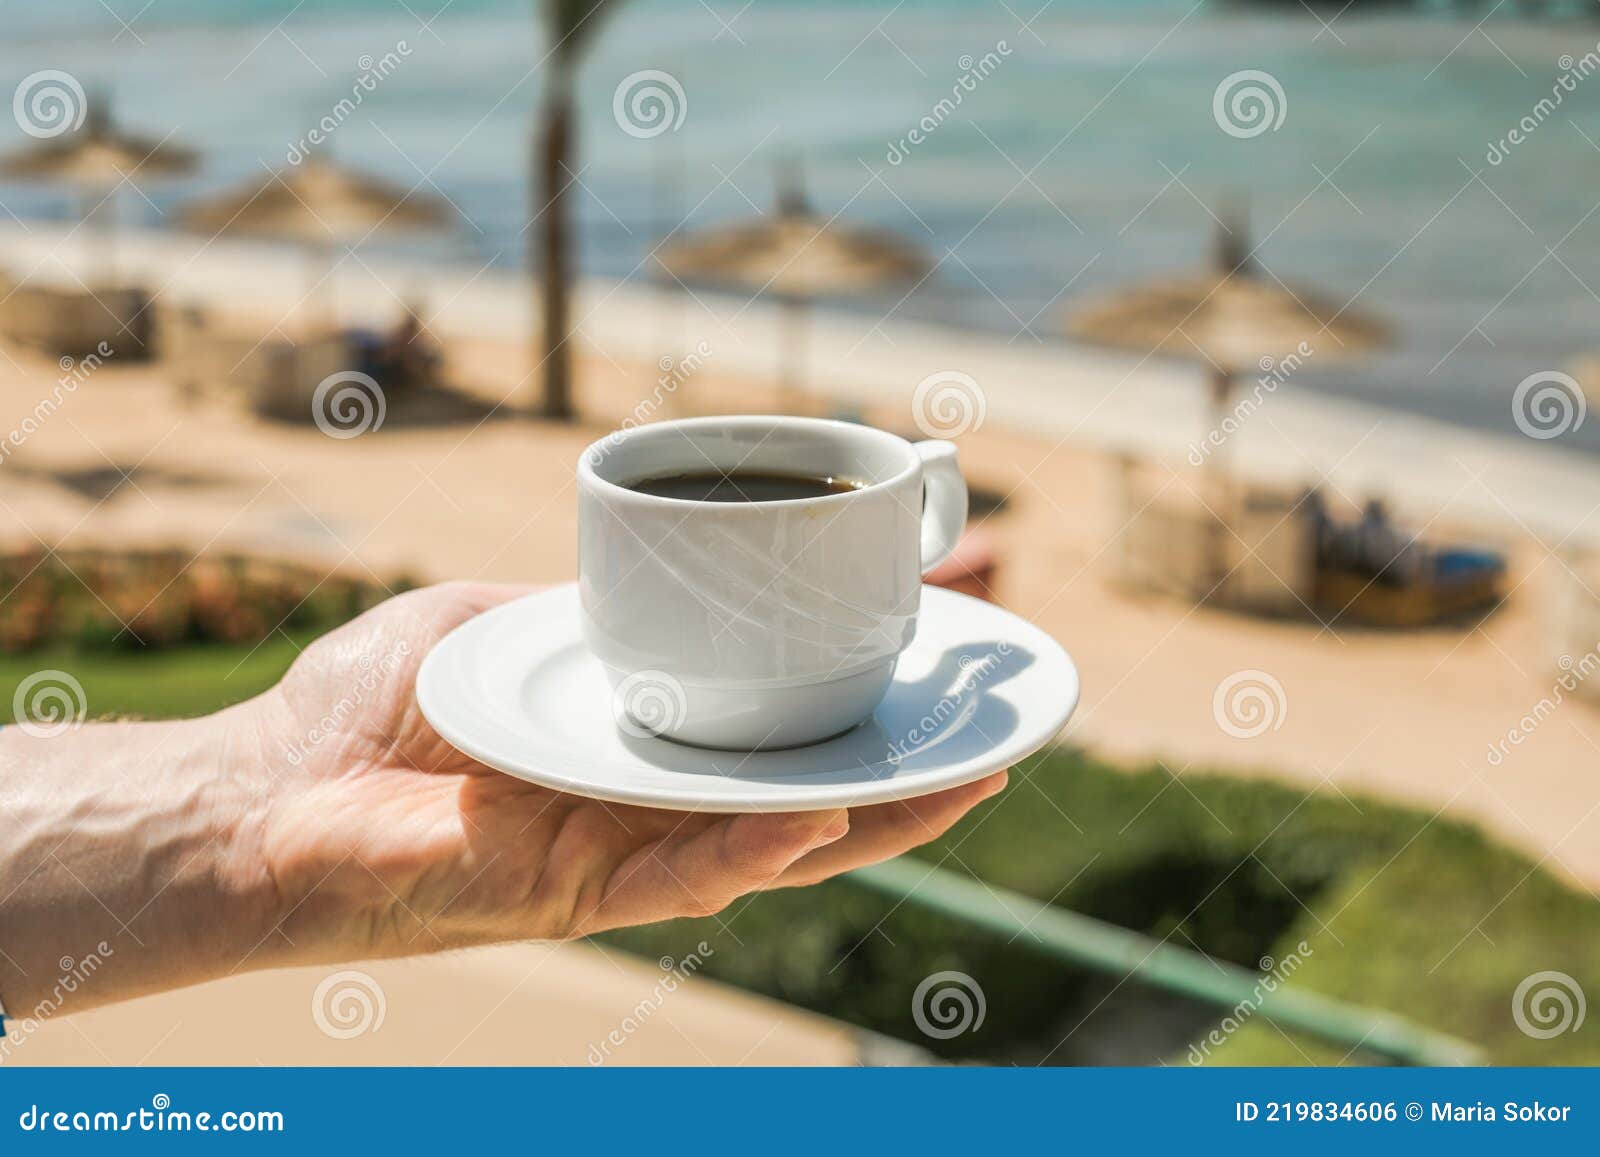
[{"x": 944, "y": 504}]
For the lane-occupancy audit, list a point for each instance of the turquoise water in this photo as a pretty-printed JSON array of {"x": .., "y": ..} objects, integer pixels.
[{"x": 1081, "y": 158}]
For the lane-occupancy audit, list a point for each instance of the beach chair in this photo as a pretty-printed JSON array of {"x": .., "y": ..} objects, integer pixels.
[
  {"x": 1159, "y": 543},
  {"x": 1270, "y": 552},
  {"x": 273, "y": 374},
  {"x": 1245, "y": 547},
  {"x": 1372, "y": 574},
  {"x": 1467, "y": 583},
  {"x": 76, "y": 322}
]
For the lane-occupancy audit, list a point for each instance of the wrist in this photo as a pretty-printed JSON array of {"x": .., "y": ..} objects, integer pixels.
[{"x": 131, "y": 846}]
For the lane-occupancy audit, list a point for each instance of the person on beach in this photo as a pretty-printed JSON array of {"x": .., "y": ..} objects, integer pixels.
[
  {"x": 1373, "y": 546},
  {"x": 405, "y": 357},
  {"x": 265, "y": 836}
]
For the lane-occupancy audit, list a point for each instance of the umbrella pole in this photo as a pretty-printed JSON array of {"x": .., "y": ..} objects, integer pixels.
[
  {"x": 791, "y": 373},
  {"x": 109, "y": 240},
  {"x": 100, "y": 261},
  {"x": 319, "y": 298},
  {"x": 330, "y": 287}
]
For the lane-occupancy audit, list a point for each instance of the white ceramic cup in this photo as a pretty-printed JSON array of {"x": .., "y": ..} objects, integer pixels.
[{"x": 747, "y": 625}]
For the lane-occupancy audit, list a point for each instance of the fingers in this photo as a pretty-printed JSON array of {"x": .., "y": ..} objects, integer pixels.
[
  {"x": 887, "y": 830},
  {"x": 456, "y": 602},
  {"x": 700, "y": 873},
  {"x": 420, "y": 617},
  {"x": 480, "y": 596}
]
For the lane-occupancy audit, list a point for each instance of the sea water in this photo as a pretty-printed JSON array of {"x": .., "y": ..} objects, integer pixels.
[{"x": 1085, "y": 151}]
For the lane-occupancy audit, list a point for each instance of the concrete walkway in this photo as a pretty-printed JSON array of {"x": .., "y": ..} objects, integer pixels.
[{"x": 525, "y": 1004}]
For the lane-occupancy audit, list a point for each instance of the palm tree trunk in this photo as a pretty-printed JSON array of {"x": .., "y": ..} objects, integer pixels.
[
  {"x": 1220, "y": 496},
  {"x": 552, "y": 243}
]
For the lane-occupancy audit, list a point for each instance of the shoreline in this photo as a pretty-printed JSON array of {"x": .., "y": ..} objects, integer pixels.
[{"x": 1063, "y": 392}]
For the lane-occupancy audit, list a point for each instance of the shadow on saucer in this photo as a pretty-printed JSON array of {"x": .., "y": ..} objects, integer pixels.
[{"x": 946, "y": 717}]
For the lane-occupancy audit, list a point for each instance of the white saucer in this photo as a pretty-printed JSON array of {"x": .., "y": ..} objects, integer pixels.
[{"x": 979, "y": 689}]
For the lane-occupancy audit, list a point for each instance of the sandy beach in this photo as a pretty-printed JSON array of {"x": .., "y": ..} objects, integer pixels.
[
  {"x": 128, "y": 459},
  {"x": 1410, "y": 716}
]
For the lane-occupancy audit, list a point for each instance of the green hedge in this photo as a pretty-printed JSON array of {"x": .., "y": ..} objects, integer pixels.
[
  {"x": 1422, "y": 916},
  {"x": 147, "y": 599}
]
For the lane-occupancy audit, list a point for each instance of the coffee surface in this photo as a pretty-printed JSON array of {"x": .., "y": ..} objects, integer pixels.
[{"x": 742, "y": 486}]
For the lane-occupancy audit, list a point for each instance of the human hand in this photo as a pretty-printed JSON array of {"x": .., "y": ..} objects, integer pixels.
[{"x": 327, "y": 821}]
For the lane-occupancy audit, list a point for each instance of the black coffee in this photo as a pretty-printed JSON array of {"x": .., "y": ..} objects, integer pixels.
[{"x": 742, "y": 486}]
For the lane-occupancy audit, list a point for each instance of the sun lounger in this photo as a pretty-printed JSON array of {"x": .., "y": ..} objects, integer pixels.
[
  {"x": 274, "y": 374},
  {"x": 1245, "y": 547},
  {"x": 1273, "y": 551},
  {"x": 1269, "y": 549},
  {"x": 76, "y": 322},
  {"x": 1439, "y": 586}
]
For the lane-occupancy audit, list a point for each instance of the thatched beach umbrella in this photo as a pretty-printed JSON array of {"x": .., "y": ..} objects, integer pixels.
[
  {"x": 95, "y": 159},
  {"x": 318, "y": 204},
  {"x": 1232, "y": 319},
  {"x": 794, "y": 256},
  {"x": 1236, "y": 321}
]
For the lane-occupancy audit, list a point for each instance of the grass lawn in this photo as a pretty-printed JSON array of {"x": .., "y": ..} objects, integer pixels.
[
  {"x": 170, "y": 684},
  {"x": 1426, "y": 918},
  {"x": 1423, "y": 917}
]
